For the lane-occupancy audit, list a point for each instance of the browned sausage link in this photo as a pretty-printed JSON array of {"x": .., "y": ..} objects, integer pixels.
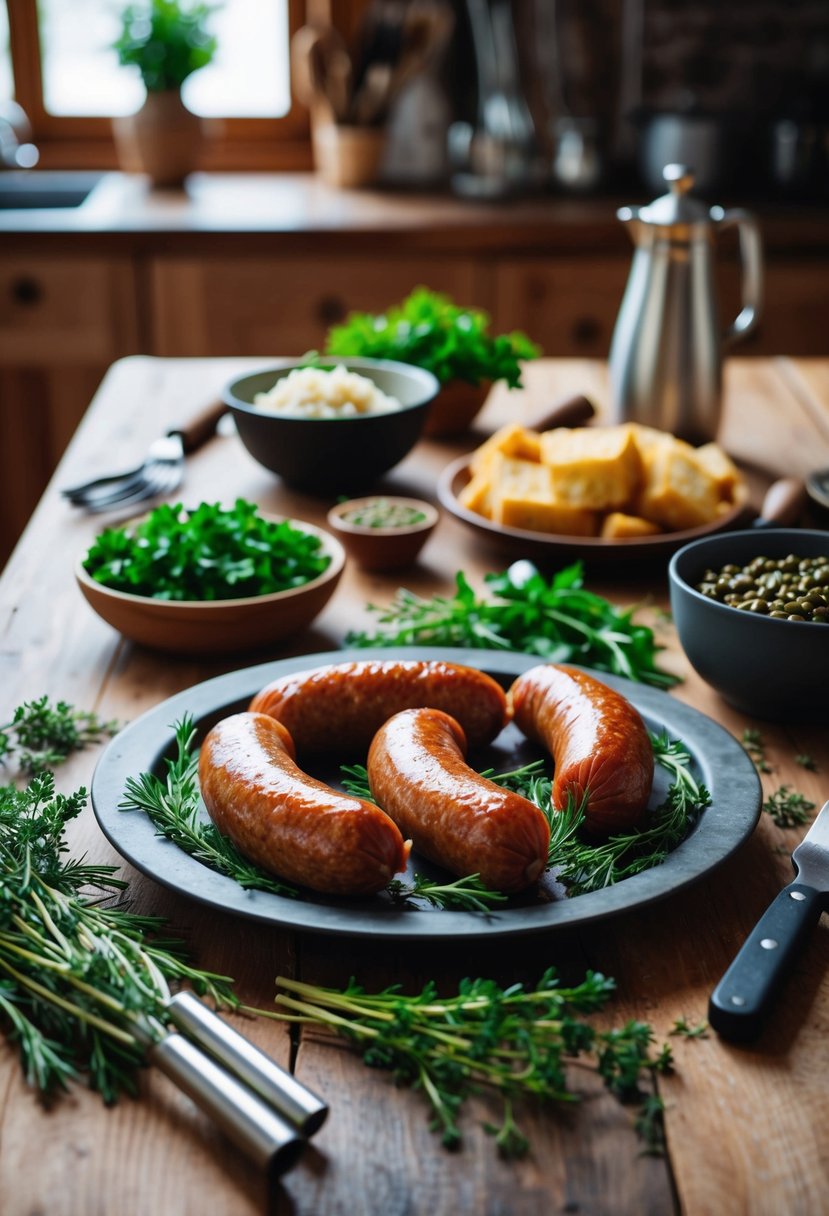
[
  {"x": 454, "y": 816},
  {"x": 339, "y": 708},
  {"x": 287, "y": 822},
  {"x": 598, "y": 741}
]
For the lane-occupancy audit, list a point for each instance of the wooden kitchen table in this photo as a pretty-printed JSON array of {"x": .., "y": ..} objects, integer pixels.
[{"x": 746, "y": 1127}]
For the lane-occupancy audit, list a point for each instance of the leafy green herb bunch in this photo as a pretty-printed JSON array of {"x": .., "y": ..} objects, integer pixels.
[
  {"x": 208, "y": 553},
  {"x": 429, "y": 330},
  {"x": 167, "y": 40}
]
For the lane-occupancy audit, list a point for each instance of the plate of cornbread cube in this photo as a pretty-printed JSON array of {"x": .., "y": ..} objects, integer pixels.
[{"x": 613, "y": 492}]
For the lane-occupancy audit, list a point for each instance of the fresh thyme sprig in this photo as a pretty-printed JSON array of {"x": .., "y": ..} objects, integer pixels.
[
  {"x": 684, "y": 1030},
  {"x": 788, "y": 808},
  {"x": 755, "y": 745},
  {"x": 512, "y": 1042},
  {"x": 41, "y": 735},
  {"x": 173, "y": 807},
  {"x": 558, "y": 620},
  {"x": 83, "y": 982}
]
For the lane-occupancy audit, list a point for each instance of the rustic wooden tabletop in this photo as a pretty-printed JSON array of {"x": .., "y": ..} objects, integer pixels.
[{"x": 745, "y": 1127}]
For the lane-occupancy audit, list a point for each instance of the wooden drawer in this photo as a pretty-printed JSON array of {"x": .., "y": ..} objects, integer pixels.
[
  {"x": 241, "y": 306},
  {"x": 66, "y": 311},
  {"x": 568, "y": 305}
]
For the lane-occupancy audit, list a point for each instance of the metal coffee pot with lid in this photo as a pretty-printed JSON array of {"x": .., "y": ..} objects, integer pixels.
[{"x": 667, "y": 348}]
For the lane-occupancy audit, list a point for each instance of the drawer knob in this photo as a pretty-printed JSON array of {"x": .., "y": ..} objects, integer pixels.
[
  {"x": 586, "y": 331},
  {"x": 26, "y": 290},
  {"x": 331, "y": 309}
]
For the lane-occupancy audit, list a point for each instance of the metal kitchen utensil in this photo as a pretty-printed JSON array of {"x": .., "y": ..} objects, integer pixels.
[
  {"x": 292, "y": 1100},
  {"x": 159, "y": 473},
  {"x": 264, "y": 1136},
  {"x": 667, "y": 347},
  {"x": 744, "y": 995}
]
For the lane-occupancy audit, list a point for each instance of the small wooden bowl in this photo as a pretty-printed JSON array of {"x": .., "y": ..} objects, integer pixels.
[
  {"x": 205, "y": 627},
  {"x": 383, "y": 548}
]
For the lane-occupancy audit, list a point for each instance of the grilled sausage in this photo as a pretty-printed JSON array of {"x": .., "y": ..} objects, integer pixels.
[
  {"x": 286, "y": 821},
  {"x": 339, "y": 708},
  {"x": 453, "y": 816},
  {"x": 598, "y": 741}
]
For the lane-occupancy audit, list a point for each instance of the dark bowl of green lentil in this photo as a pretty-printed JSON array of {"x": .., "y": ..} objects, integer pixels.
[{"x": 751, "y": 610}]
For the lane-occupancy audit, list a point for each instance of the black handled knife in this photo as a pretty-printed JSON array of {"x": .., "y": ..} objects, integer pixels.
[{"x": 743, "y": 996}]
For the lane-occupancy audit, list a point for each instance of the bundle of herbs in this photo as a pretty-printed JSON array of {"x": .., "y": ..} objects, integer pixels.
[
  {"x": 83, "y": 981},
  {"x": 556, "y": 619}
]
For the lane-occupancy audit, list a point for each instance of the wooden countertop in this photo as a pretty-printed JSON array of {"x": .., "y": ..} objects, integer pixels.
[
  {"x": 745, "y": 1126},
  {"x": 296, "y": 210}
]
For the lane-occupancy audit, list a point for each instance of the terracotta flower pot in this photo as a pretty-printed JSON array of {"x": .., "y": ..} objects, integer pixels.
[
  {"x": 163, "y": 139},
  {"x": 455, "y": 406}
]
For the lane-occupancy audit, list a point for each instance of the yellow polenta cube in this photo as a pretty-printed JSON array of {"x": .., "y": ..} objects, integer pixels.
[
  {"x": 679, "y": 492},
  {"x": 475, "y": 495},
  {"x": 523, "y": 497},
  {"x": 511, "y": 440},
  {"x": 596, "y": 468},
  {"x": 619, "y": 526},
  {"x": 722, "y": 469}
]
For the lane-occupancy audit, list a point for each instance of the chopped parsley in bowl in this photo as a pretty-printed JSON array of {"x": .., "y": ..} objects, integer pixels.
[{"x": 210, "y": 578}]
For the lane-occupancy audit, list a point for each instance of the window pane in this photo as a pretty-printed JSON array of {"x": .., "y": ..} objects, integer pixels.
[
  {"x": 6, "y": 80},
  {"x": 81, "y": 74}
]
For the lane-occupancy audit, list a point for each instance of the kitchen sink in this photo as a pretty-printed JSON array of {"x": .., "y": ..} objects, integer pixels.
[{"x": 49, "y": 189}]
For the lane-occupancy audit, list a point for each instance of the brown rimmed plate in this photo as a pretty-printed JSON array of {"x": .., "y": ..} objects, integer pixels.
[
  {"x": 719, "y": 760},
  {"x": 540, "y": 545}
]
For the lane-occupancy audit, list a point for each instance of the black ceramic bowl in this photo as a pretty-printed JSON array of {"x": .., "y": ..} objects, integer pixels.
[
  {"x": 774, "y": 669},
  {"x": 328, "y": 455}
]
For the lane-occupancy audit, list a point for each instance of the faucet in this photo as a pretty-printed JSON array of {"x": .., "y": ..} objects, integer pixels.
[{"x": 16, "y": 149}]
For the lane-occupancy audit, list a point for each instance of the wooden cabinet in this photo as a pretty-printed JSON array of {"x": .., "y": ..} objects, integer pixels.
[
  {"x": 63, "y": 320},
  {"x": 567, "y": 305},
  {"x": 285, "y": 306}
]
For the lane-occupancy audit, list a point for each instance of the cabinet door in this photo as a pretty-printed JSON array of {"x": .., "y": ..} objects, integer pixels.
[
  {"x": 63, "y": 320},
  {"x": 284, "y": 306},
  {"x": 567, "y": 305},
  {"x": 794, "y": 315}
]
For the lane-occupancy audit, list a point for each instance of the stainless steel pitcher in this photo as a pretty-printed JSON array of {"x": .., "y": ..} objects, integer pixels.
[{"x": 667, "y": 348}]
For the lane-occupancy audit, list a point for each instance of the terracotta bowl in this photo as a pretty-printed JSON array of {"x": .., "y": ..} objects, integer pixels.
[
  {"x": 383, "y": 548},
  {"x": 454, "y": 408},
  {"x": 198, "y": 627}
]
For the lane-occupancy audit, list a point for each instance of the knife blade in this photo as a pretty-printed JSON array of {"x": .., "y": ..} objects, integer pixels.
[{"x": 744, "y": 995}]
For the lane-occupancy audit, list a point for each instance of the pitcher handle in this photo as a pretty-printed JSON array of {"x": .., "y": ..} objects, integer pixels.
[{"x": 751, "y": 256}]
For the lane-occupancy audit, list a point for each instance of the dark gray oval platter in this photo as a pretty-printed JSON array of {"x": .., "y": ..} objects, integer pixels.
[{"x": 720, "y": 763}]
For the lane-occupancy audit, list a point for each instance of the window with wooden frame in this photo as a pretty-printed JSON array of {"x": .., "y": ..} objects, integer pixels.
[{"x": 58, "y": 64}]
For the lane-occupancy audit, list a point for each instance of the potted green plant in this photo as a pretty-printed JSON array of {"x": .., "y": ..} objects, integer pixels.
[
  {"x": 454, "y": 343},
  {"x": 166, "y": 40}
]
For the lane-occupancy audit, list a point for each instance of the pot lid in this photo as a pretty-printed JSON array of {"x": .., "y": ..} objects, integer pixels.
[{"x": 677, "y": 206}]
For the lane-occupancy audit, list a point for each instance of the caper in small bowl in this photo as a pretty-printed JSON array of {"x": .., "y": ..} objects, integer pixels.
[{"x": 751, "y": 610}]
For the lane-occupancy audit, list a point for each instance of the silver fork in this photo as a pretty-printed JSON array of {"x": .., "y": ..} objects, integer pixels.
[{"x": 159, "y": 473}]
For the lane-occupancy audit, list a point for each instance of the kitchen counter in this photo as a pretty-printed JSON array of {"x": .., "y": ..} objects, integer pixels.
[
  {"x": 745, "y": 1126},
  {"x": 123, "y": 211}
]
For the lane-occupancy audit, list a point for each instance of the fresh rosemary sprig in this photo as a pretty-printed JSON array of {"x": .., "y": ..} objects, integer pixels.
[
  {"x": 41, "y": 735},
  {"x": 557, "y": 620},
  {"x": 83, "y": 983},
  {"x": 788, "y": 808},
  {"x": 512, "y": 1042},
  {"x": 468, "y": 894},
  {"x": 585, "y": 866},
  {"x": 172, "y": 805}
]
